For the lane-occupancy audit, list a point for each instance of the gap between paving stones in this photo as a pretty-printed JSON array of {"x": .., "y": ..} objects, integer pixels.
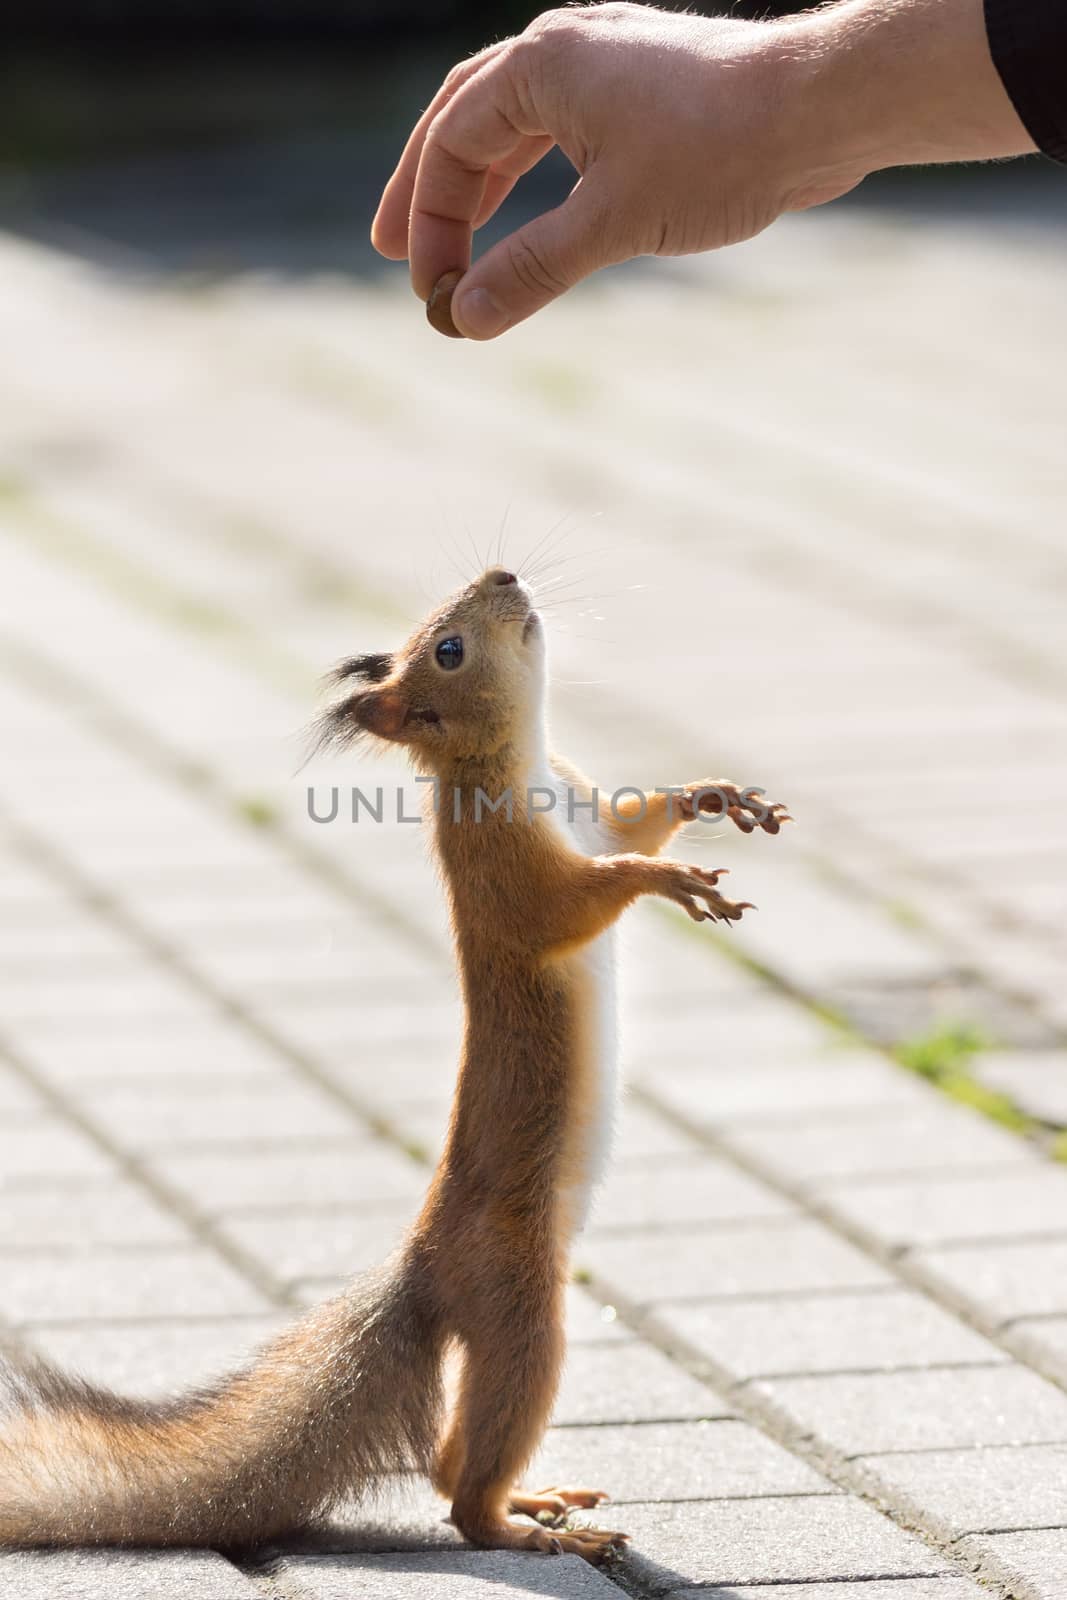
[
  {"x": 1043, "y": 1136},
  {"x": 762, "y": 1413},
  {"x": 766, "y": 1415},
  {"x": 84, "y": 889},
  {"x": 53, "y": 863},
  {"x": 1008, "y": 659},
  {"x": 134, "y": 738},
  {"x": 1009, "y": 656},
  {"x": 911, "y": 1273},
  {"x": 773, "y": 1420},
  {"x": 137, "y": 739},
  {"x": 139, "y": 1171}
]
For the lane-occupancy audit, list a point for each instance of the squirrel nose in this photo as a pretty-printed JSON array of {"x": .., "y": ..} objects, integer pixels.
[{"x": 497, "y": 575}]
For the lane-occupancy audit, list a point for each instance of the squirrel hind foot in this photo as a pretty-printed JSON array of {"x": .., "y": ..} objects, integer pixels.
[
  {"x": 594, "y": 1545},
  {"x": 503, "y": 1535},
  {"x": 553, "y": 1502}
]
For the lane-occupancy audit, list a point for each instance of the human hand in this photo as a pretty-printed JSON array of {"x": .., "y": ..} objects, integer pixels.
[
  {"x": 688, "y": 133},
  {"x": 668, "y": 119}
]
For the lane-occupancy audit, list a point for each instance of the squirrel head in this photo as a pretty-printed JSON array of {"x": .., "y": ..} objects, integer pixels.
[{"x": 469, "y": 681}]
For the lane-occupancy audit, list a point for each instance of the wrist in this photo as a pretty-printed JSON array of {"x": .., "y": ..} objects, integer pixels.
[{"x": 869, "y": 84}]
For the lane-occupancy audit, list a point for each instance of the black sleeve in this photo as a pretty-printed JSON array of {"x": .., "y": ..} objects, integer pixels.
[{"x": 1028, "y": 40}]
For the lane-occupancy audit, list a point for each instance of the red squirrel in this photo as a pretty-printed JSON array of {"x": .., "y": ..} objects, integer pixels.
[{"x": 353, "y": 1392}]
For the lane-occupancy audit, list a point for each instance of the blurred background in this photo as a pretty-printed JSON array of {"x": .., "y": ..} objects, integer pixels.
[
  {"x": 254, "y": 134},
  {"x": 798, "y": 515}
]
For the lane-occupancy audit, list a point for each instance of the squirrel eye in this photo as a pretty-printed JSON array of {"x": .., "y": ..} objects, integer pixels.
[{"x": 449, "y": 653}]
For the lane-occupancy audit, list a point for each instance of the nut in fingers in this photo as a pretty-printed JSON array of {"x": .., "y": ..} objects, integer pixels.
[{"x": 439, "y": 305}]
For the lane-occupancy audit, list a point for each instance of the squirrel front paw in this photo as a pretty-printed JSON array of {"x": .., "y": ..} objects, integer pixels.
[
  {"x": 694, "y": 889},
  {"x": 747, "y": 808}
]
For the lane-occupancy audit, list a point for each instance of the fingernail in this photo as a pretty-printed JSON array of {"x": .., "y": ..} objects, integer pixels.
[{"x": 479, "y": 315}]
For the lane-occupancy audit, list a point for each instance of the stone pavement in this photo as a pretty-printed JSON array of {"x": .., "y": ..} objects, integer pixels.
[{"x": 818, "y": 1332}]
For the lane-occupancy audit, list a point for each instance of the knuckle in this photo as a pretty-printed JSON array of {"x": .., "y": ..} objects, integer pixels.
[
  {"x": 551, "y": 23},
  {"x": 457, "y": 76},
  {"x": 563, "y": 28},
  {"x": 533, "y": 271}
]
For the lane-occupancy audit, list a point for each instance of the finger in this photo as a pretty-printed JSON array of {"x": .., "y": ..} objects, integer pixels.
[
  {"x": 502, "y": 179},
  {"x": 533, "y": 266},
  {"x": 476, "y": 132},
  {"x": 389, "y": 230}
]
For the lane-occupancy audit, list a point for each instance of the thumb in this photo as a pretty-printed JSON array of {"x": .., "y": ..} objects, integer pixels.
[{"x": 531, "y": 267}]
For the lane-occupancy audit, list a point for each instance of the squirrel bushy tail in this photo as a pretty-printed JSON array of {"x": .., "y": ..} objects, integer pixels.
[{"x": 347, "y": 1396}]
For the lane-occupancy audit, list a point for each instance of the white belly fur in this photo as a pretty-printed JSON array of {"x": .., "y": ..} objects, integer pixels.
[{"x": 596, "y": 1078}]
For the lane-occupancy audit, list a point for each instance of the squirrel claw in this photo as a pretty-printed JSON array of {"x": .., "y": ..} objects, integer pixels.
[
  {"x": 694, "y": 889},
  {"x": 746, "y": 808}
]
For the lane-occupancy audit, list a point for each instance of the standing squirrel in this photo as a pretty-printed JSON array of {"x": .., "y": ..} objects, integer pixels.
[{"x": 353, "y": 1392}]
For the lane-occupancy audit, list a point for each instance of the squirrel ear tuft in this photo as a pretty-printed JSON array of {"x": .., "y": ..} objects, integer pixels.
[{"x": 372, "y": 669}]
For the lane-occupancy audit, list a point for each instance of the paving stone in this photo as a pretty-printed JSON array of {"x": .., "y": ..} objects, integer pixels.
[
  {"x": 841, "y": 1332},
  {"x": 442, "y": 1575},
  {"x": 77, "y": 1000},
  {"x": 288, "y": 971},
  {"x": 75, "y": 937},
  {"x": 693, "y": 973},
  {"x": 156, "y": 1358},
  {"x": 944, "y": 1588},
  {"x": 784, "y": 1540},
  {"x": 780, "y": 1094},
  {"x": 1038, "y": 1556},
  {"x": 18, "y": 1097},
  {"x": 850, "y": 716},
  {"x": 1006, "y": 1280},
  {"x": 79, "y": 1216},
  {"x": 1043, "y": 1341},
  {"x": 425, "y": 1125},
  {"x": 338, "y": 946},
  {"x": 966, "y": 1491},
  {"x": 689, "y": 1190},
  {"x": 945, "y": 1408},
  {"x": 310, "y": 1291},
  {"x": 280, "y": 896},
  {"x": 345, "y": 1028},
  {"x": 165, "y": 1116},
  {"x": 995, "y": 1205},
  {"x": 709, "y": 1036},
  {"x": 321, "y": 1175},
  {"x": 749, "y": 1258},
  {"x": 673, "y": 1461},
  {"x": 121, "y": 1575},
  {"x": 403, "y": 1513},
  {"x": 642, "y": 1134},
  {"x": 124, "y": 1283},
  {"x": 822, "y": 937},
  {"x": 630, "y": 1382},
  {"x": 863, "y": 1145},
  {"x": 1035, "y": 1079},
  {"x": 46, "y": 1148},
  {"x": 410, "y": 1077},
  {"x": 590, "y": 1320},
  {"x": 320, "y": 1244},
  {"x": 208, "y": 1047}
]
